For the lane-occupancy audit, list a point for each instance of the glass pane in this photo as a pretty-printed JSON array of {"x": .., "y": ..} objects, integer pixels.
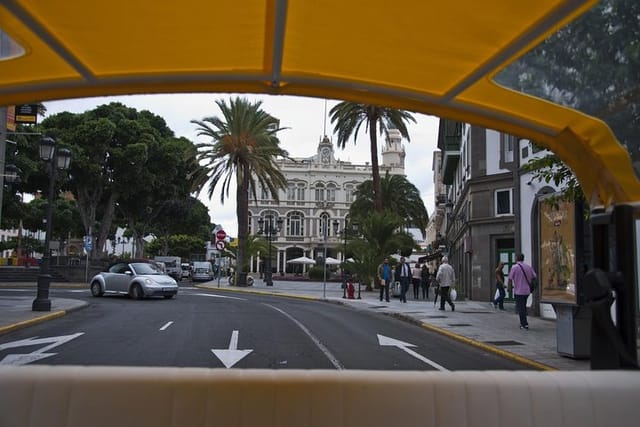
[{"x": 8, "y": 47}]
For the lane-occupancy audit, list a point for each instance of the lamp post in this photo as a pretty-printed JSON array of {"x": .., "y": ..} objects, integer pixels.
[
  {"x": 270, "y": 230},
  {"x": 350, "y": 228},
  {"x": 56, "y": 158}
]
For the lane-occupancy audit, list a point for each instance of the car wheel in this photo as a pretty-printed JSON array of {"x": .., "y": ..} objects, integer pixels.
[
  {"x": 96, "y": 289},
  {"x": 136, "y": 292},
  {"x": 168, "y": 296}
]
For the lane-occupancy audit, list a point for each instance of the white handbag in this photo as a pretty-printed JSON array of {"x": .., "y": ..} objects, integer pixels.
[
  {"x": 453, "y": 294},
  {"x": 496, "y": 295}
]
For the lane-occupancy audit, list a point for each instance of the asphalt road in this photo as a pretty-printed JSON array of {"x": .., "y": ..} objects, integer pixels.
[{"x": 201, "y": 328}]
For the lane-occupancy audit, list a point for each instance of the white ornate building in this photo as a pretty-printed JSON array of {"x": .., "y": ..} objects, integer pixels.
[{"x": 319, "y": 193}]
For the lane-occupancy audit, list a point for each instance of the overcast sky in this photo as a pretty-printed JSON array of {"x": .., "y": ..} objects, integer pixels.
[{"x": 305, "y": 118}]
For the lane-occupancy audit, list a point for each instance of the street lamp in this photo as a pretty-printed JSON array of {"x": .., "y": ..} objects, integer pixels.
[
  {"x": 350, "y": 228},
  {"x": 270, "y": 230},
  {"x": 56, "y": 158}
]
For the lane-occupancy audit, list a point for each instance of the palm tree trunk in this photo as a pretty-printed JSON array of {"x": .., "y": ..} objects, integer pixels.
[
  {"x": 242, "y": 212},
  {"x": 375, "y": 172}
]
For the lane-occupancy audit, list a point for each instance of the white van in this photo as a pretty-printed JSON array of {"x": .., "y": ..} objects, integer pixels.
[
  {"x": 172, "y": 265},
  {"x": 201, "y": 271}
]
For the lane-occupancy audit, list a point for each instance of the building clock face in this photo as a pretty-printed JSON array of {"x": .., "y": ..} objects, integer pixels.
[{"x": 325, "y": 155}]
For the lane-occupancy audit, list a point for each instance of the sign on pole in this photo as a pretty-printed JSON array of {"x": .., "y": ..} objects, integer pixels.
[{"x": 220, "y": 235}]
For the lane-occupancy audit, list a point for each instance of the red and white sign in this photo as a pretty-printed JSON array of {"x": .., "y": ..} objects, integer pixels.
[
  {"x": 220, "y": 235},
  {"x": 220, "y": 245}
]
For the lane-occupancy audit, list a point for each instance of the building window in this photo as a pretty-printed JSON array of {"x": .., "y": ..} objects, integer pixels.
[
  {"x": 300, "y": 191},
  {"x": 348, "y": 193},
  {"x": 503, "y": 202},
  {"x": 291, "y": 192},
  {"x": 331, "y": 192},
  {"x": 295, "y": 224},
  {"x": 507, "y": 143},
  {"x": 324, "y": 229},
  {"x": 319, "y": 192},
  {"x": 264, "y": 194}
]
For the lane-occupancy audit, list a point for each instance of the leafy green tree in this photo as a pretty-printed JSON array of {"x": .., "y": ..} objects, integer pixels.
[
  {"x": 185, "y": 246},
  {"x": 122, "y": 158},
  {"x": 244, "y": 147},
  {"x": 180, "y": 216},
  {"x": 349, "y": 117},
  {"x": 401, "y": 197}
]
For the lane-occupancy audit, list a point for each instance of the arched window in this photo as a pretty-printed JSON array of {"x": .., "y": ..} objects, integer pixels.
[
  {"x": 295, "y": 224},
  {"x": 319, "y": 192},
  {"x": 301, "y": 190},
  {"x": 331, "y": 192},
  {"x": 324, "y": 225},
  {"x": 349, "y": 190},
  {"x": 291, "y": 191}
]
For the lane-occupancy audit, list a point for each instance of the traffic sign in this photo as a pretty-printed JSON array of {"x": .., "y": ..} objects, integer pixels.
[
  {"x": 88, "y": 243},
  {"x": 220, "y": 235},
  {"x": 220, "y": 245}
]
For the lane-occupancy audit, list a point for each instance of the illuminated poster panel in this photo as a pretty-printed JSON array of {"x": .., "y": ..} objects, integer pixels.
[{"x": 557, "y": 252}]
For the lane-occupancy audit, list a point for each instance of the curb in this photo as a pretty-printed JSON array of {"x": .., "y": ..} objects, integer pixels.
[
  {"x": 40, "y": 319},
  {"x": 30, "y": 322}
]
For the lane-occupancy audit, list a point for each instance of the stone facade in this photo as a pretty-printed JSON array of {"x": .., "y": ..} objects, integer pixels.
[{"x": 319, "y": 193}]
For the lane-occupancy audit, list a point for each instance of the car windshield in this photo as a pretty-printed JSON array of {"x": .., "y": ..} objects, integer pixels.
[
  {"x": 146, "y": 268},
  {"x": 591, "y": 65}
]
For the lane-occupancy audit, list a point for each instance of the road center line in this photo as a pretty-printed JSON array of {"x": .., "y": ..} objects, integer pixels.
[
  {"x": 166, "y": 325},
  {"x": 334, "y": 360}
]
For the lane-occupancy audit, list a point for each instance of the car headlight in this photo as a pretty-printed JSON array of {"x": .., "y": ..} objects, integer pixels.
[{"x": 148, "y": 281}]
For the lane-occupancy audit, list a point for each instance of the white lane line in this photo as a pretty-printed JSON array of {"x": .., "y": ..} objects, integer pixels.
[
  {"x": 166, "y": 325},
  {"x": 334, "y": 360},
  {"x": 219, "y": 296}
]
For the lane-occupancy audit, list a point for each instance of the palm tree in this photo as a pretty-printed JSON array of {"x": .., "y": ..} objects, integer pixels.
[
  {"x": 379, "y": 237},
  {"x": 243, "y": 144},
  {"x": 349, "y": 116},
  {"x": 402, "y": 196}
]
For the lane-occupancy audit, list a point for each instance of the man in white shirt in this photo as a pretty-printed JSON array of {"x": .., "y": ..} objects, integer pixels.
[{"x": 446, "y": 277}]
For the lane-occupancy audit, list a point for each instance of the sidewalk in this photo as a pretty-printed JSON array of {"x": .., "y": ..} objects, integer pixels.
[{"x": 473, "y": 322}]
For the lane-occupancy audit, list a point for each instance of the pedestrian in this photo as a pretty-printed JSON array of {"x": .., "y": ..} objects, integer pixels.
[
  {"x": 416, "y": 278},
  {"x": 446, "y": 277},
  {"x": 521, "y": 277},
  {"x": 425, "y": 281},
  {"x": 384, "y": 278},
  {"x": 499, "y": 301},
  {"x": 403, "y": 272}
]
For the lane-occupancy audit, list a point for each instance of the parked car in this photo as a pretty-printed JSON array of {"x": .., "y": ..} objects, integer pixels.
[
  {"x": 201, "y": 271},
  {"x": 186, "y": 270},
  {"x": 137, "y": 279}
]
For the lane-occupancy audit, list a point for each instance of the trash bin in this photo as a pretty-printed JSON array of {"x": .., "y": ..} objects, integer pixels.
[{"x": 573, "y": 331}]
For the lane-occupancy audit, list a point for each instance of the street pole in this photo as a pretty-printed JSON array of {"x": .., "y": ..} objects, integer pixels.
[
  {"x": 324, "y": 266},
  {"x": 56, "y": 159},
  {"x": 269, "y": 229}
]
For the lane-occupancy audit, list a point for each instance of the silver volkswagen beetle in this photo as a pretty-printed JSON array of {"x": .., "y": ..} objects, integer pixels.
[{"x": 137, "y": 279}]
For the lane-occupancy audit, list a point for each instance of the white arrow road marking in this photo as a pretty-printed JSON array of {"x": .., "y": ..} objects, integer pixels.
[
  {"x": 22, "y": 359},
  {"x": 220, "y": 296},
  {"x": 404, "y": 346},
  {"x": 232, "y": 355},
  {"x": 166, "y": 325}
]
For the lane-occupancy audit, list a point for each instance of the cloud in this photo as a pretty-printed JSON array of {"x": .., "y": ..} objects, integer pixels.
[{"x": 305, "y": 119}]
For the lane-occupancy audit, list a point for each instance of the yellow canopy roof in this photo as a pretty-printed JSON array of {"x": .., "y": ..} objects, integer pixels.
[{"x": 433, "y": 57}]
